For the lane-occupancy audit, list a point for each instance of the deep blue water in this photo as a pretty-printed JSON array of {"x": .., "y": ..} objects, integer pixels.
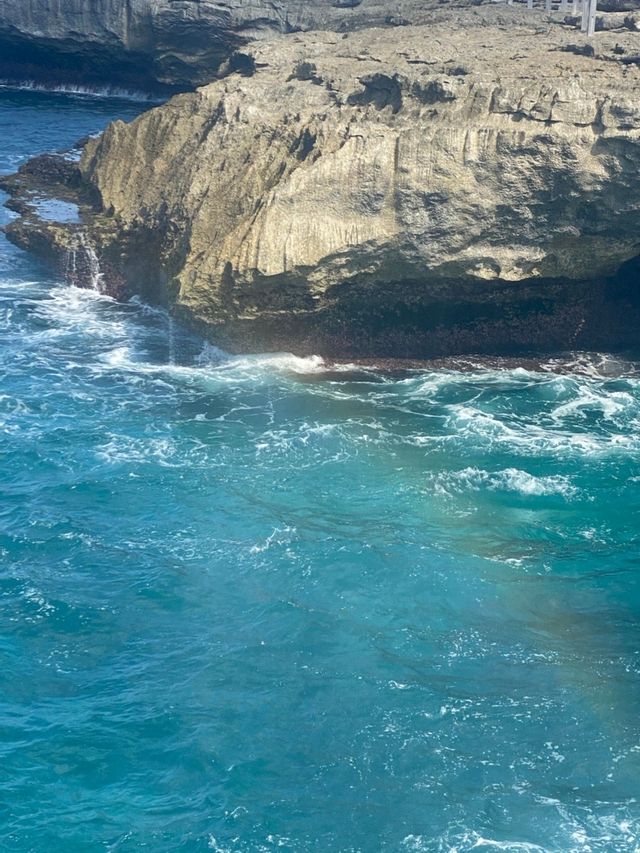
[{"x": 251, "y": 605}]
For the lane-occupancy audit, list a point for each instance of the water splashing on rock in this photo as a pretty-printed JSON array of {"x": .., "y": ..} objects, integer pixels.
[{"x": 82, "y": 264}]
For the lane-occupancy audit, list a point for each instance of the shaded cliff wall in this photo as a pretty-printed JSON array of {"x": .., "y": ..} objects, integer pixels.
[{"x": 138, "y": 43}]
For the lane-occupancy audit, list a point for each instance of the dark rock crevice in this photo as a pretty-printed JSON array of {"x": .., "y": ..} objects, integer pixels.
[
  {"x": 532, "y": 318},
  {"x": 380, "y": 90}
]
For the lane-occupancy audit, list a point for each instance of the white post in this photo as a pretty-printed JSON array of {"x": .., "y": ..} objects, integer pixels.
[
  {"x": 591, "y": 23},
  {"x": 547, "y": 5},
  {"x": 529, "y": 4},
  {"x": 585, "y": 15}
]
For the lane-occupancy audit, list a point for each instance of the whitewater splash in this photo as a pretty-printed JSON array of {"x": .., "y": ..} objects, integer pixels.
[
  {"x": 81, "y": 264},
  {"x": 113, "y": 93},
  {"x": 512, "y": 480}
]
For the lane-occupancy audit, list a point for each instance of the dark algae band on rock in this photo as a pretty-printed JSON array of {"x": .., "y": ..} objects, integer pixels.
[{"x": 468, "y": 185}]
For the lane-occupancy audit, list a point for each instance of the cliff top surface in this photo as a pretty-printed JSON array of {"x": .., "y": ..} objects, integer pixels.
[
  {"x": 182, "y": 43},
  {"x": 537, "y": 69}
]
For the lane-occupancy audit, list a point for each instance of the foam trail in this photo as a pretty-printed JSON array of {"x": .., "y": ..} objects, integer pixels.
[{"x": 507, "y": 480}]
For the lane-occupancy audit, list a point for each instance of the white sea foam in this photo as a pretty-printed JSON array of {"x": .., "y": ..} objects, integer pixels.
[
  {"x": 535, "y": 434},
  {"x": 303, "y": 446},
  {"x": 589, "y": 399},
  {"x": 279, "y": 536},
  {"x": 600, "y": 835},
  {"x": 510, "y": 846},
  {"x": 475, "y": 409},
  {"x": 214, "y": 363},
  {"x": 507, "y": 480},
  {"x": 216, "y": 847},
  {"x": 69, "y": 303},
  {"x": 465, "y": 842},
  {"x": 126, "y": 449},
  {"x": 212, "y": 356},
  {"x": 281, "y": 362},
  {"x": 593, "y": 365},
  {"x": 147, "y": 309},
  {"x": 109, "y": 92}
]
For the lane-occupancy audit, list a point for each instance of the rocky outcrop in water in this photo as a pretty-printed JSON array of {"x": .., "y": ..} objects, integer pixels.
[{"x": 404, "y": 192}]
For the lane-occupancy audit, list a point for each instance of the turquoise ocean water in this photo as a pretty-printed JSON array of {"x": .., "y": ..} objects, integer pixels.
[{"x": 250, "y": 604}]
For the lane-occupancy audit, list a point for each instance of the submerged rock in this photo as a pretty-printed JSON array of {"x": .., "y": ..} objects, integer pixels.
[{"x": 472, "y": 185}]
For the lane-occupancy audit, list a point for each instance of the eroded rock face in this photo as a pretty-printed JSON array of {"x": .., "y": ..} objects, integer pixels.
[
  {"x": 423, "y": 190},
  {"x": 140, "y": 43}
]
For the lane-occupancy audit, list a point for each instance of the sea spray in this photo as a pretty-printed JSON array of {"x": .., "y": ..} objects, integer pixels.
[
  {"x": 71, "y": 262},
  {"x": 172, "y": 339},
  {"x": 95, "y": 274},
  {"x": 104, "y": 92}
]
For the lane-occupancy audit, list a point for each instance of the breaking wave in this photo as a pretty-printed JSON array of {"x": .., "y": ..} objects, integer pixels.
[
  {"x": 111, "y": 93},
  {"x": 508, "y": 480}
]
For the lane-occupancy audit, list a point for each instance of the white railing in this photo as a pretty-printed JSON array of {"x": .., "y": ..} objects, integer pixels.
[{"x": 585, "y": 8}]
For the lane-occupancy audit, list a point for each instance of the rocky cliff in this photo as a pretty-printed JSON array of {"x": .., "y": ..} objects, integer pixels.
[
  {"x": 170, "y": 44},
  {"x": 469, "y": 185}
]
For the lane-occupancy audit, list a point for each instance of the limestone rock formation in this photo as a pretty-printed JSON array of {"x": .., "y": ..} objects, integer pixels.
[{"x": 469, "y": 185}]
